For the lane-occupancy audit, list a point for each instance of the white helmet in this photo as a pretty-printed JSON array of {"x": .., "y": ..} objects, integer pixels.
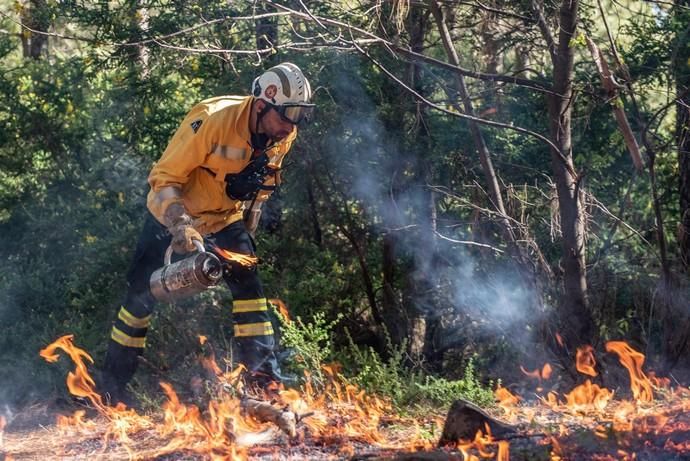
[{"x": 286, "y": 89}]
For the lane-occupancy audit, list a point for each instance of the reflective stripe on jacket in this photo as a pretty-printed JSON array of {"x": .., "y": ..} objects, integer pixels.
[{"x": 214, "y": 135}]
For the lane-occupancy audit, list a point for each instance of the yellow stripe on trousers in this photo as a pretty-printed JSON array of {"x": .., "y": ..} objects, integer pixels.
[
  {"x": 253, "y": 329},
  {"x": 129, "y": 341},
  {"x": 249, "y": 305},
  {"x": 132, "y": 321}
]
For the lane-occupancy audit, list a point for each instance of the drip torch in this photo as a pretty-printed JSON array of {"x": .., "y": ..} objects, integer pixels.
[{"x": 187, "y": 277}]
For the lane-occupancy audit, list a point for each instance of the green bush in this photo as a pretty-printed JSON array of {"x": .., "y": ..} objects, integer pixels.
[{"x": 312, "y": 344}]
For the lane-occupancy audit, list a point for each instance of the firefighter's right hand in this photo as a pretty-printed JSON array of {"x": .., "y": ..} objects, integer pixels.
[
  {"x": 179, "y": 224},
  {"x": 183, "y": 236}
]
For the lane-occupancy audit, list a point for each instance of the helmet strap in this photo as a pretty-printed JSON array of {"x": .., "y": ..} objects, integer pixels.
[{"x": 259, "y": 141}]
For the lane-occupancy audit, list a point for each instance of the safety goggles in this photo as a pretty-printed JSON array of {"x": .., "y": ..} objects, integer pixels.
[{"x": 295, "y": 113}]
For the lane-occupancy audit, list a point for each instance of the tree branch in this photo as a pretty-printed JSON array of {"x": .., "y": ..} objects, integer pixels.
[
  {"x": 544, "y": 28},
  {"x": 465, "y": 116},
  {"x": 392, "y": 46},
  {"x": 468, "y": 242}
]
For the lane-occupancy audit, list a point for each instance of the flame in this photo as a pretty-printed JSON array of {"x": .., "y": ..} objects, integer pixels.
[
  {"x": 546, "y": 371},
  {"x": 543, "y": 374},
  {"x": 503, "y": 451},
  {"x": 588, "y": 394},
  {"x": 584, "y": 361},
  {"x": 507, "y": 401},
  {"x": 556, "y": 450},
  {"x": 281, "y": 307},
  {"x": 209, "y": 363},
  {"x": 505, "y": 397},
  {"x": 633, "y": 360},
  {"x": 336, "y": 409},
  {"x": 486, "y": 446},
  {"x": 79, "y": 382},
  {"x": 3, "y": 423},
  {"x": 75, "y": 422},
  {"x": 202, "y": 339},
  {"x": 231, "y": 256},
  {"x": 339, "y": 412},
  {"x": 559, "y": 340},
  {"x": 659, "y": 383}
]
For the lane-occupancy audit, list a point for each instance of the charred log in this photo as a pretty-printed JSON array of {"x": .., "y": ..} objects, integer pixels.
[{"x": 465, "y": 419}]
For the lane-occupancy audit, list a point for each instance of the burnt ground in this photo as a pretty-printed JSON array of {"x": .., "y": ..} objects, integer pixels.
[{"x": 659, "y": 431}]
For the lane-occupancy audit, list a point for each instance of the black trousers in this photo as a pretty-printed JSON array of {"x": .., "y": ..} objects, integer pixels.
[{"x": 253, "y": 340}]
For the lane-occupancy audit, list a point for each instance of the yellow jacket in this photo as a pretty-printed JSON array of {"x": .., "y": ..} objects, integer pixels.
[{"x": 214, "y": 135}]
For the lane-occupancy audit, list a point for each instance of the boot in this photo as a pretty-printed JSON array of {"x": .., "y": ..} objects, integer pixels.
[{"x": 114, "y": 391}]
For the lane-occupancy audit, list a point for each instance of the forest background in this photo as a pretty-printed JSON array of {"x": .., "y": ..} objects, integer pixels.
[{"x": 485, "y": 184}]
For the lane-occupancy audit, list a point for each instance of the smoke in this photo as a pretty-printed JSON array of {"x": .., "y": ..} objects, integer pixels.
[
  {"x": 496, "y": 297},
  {"x": 64, "y": 256},
  {"x": 451, "y": 281}
]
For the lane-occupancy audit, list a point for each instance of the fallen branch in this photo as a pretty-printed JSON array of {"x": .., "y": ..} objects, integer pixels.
[{"x": 264, "y": 412}]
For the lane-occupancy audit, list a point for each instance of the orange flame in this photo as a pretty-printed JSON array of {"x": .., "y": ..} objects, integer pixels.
[
  {"x": 507, "y": 401},
  {"x": 202, "y": 339},
  {"x": 3, "y": 423},
  {"x": 660, "y": 383},
  {"x": 503, "y": 451},
  {"x": 588, "y": 394},
  {"x": 79, "y": 382},
  {"x": 633, "y": 360},
  {"x": 543, "y": 374},
  {"x": 76, "y": 421},
  {"x": 556, "y": 450},
  {"x": 209, "y": 363},
  {"x": 281, "y": 307},
  {"x": 483, "y": 443},
  {"x": 231, "y": 256},
  {"x": 337, "y": 409},
  {"x": 505, "y": 397},
  {"x": 584, "y": 360},
  {"x": 546, "y": 371}
]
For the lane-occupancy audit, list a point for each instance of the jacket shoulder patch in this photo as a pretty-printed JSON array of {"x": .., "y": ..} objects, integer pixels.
[{"x": 196, "y": 124}]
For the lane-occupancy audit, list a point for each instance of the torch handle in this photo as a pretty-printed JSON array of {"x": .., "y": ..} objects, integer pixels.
[{"x": 168, "y": 253}]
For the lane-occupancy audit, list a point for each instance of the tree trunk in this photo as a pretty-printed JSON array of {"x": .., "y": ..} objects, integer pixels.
[
  {"x": 349, "y": 228},
  {"x": 34, "y": 16},
  {"x": 484, "y": 155},
  {"x": 313, "y": 213},
  {"x": 681, "y": 69},
  {"x": 576, "y": 323},
  {"x": 266, "y": 33},
  {"x": 491, "y": 52},
  {"x": 140, "y": 52}
]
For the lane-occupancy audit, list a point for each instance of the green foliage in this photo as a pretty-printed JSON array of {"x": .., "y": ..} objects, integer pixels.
[
  {"x": 442, "y": 391},
  {"x": 310, "y": 342},
  {"x": 375, "y": 374},
  {"x": 81, "y": 126},
  {"x": 404, "y": 385}
]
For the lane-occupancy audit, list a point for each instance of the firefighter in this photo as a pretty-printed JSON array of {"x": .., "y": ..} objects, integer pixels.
[{"x": 219, "y": 167}]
